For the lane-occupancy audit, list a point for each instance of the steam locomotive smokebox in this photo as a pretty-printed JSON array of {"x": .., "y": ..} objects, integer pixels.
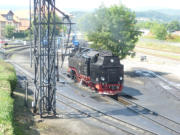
[{"x": 108, "y": 67}]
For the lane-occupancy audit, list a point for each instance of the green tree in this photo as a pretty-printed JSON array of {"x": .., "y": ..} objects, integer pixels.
[
  {"x": 160, "y": 31},
  {"x": 58, "y": 27},
  {"x": 115, "y": 30},
  {"x": 145, "y": 25},
  {"x": 173, "y": 26},
  {"x": 9, "y": 31}
]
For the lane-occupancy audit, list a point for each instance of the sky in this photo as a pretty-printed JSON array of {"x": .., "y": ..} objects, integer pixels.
[{"x": 92, "y": 4}]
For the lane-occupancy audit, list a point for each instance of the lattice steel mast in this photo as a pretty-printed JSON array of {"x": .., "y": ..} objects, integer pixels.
[{"x": 44, "y": 25}]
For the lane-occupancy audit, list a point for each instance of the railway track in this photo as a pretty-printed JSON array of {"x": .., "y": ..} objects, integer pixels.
[
  {"x": 15, "y": 49},
  {"x": 102, "y": 117},
  {"x": 123, "y": 126},
  {"x": 168, "y": 86},
  {"x": 126, "y": 128},
  {"x": 15, "y": 46},
  {"x": 98, "y": 115},
  {"x": 170, "y": 125},
  {"x": 151, "y": 115}
]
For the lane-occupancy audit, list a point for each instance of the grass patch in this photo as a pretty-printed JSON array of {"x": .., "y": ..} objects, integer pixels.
[
  {"x": 169, "y": 38},
  {"x": 173, "y": 38},
  {"x": 158, "y": 46},
  {"x": 165, "y": 55},
  {"x": 149, "y": 36},
  {"x": 7, "y": 73},
  {"x": 7, "y": 84}
]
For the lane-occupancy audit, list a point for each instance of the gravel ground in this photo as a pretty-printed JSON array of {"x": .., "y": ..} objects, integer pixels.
[
  {"x": 63, "y": 125},
  {"x": 147, "y": 90},
  {"x": 154, "y": 92},
  {"x": 170, "y": 68}
]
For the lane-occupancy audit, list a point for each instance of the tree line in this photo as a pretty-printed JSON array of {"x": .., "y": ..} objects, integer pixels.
[
  {"x": 10, "y": 32},
  {"x": 160, "y": 30}
]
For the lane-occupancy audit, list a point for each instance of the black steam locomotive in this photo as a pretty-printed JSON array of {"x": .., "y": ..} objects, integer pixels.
[{"x": 99, "y": 70}]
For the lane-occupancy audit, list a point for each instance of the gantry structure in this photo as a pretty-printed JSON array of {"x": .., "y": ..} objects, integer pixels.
[{"x": 44, "y": 50}]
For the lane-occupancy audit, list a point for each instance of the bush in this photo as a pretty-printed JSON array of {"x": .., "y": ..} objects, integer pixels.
[
  {"x": 21, "y": 34},
  {"x": 9, "y": 31},
  {"x": 160, "y": 31},
  {"x": 173, "y": 26}
]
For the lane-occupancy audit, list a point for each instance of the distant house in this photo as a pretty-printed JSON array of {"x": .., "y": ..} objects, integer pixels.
[
  {"x": 9, "y": 18},
  {"x": 176, "y": 33},
  {"x": 24, "y": 19},
  {"x": 24, "y": 24},
  {"x": 145, "y": 31},
  {"x": 142, "y": 19}
]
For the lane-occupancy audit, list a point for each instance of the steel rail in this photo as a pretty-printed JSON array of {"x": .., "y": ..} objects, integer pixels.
[
  {"x": 153, "y": 113},
  {"x": 99, "y": 111}
]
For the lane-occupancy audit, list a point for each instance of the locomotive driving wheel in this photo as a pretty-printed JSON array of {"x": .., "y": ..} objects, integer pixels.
[
  {"x": 73, "y": 76},
  {"x": 114, "y": 96}
]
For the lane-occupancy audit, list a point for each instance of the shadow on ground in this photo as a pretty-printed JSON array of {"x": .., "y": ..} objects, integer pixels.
[
  {"x": 131, "y": 91},
  {"x": 23, "y": 117},
  {"x": 144, "y": 73}
]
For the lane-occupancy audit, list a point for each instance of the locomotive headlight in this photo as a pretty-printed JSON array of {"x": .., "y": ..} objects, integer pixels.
[
  {"x": 120, "y": 78},
  {"x": 112, "y": 60},
  {"x": 102, "y": 78}
]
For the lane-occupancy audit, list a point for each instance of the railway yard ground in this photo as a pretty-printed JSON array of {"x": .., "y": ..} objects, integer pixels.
[
  {"x": 149, "y": 103},
  {"x": 26, "y": 123}
]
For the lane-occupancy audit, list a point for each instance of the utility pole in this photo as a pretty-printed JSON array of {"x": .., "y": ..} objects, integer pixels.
[{"x": 30, "y": 31}]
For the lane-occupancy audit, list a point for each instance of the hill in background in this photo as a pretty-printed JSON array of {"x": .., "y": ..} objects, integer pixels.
[{"x": 164, "y": 15}]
